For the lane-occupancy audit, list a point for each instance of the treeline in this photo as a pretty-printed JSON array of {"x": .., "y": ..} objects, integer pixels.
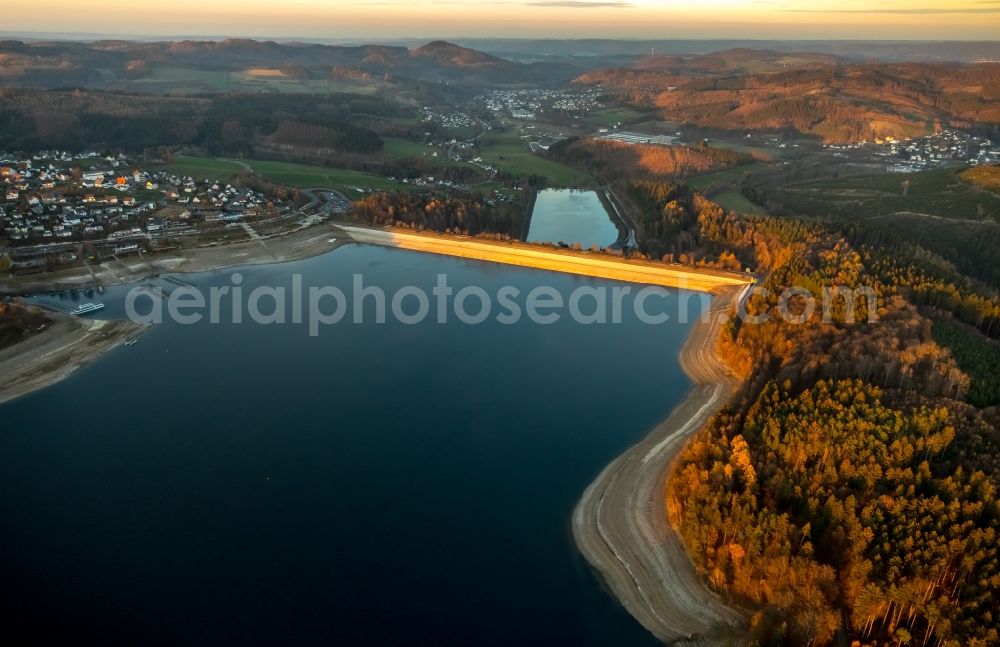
[
  {"x": 951, "y": 266},
  {"x": 844, "y": 503},
  {"x": 975, "y": 355},
  {"x": 222, "y": 125},
  {"x": 847, "y": 485},
  {"x": 927, "y": 279},
  {"x": 335, "y": 137},
  {"x": 678, "y": 225},
  {"x": 18, "y": 322},
  {"x": 468, "y": 214}
]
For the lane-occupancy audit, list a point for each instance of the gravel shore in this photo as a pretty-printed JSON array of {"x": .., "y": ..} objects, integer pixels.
[
  {"x": 56, "y": 352},
  {"x": 620, "y": 524}
]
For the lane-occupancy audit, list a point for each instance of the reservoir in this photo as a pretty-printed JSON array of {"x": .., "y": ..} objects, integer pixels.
[
  {"x": 571, "y": 216},
  {"x": 377, "y": 484}
]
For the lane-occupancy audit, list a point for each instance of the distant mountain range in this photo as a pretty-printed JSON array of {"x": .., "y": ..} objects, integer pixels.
[
  {"x": 47, "y": 64},
  {"x": 528, "y": 48},
  {"x": 834, "y": 91}
]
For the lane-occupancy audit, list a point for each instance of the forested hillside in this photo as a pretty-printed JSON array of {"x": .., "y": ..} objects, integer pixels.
[
  {"x": 465, "y": 214},
  {"x": 614, "y": 161},
  {"x": 850, "y": 484},
  {"x": 834, "y": 102},
  {"x": 232, "y": 124}
]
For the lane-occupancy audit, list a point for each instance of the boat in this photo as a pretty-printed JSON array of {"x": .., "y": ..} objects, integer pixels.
[
  {"x": 87, "y": 308},
  {"x": 131, "y": 342}
]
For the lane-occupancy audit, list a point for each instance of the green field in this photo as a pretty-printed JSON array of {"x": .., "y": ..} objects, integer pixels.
[
  {"x": 402, "y": 149},
  {"x": 287, "y": 173},
  {"x": 513, "y": 156},
  {"x": 758, "y": 152},
  {"x": 245, "y": 82},
  {"x": 188, "y": 80},
  {"x": 728, "y": 177},
  {"x": 184, "y": 79},
  {"x": 399, "y": 148},
  {"x": 606, "y": 117},
  {"x": 939, "y": 193},
  {"x": 210, "y": 168},
  {"x": 733, "y": 200}
]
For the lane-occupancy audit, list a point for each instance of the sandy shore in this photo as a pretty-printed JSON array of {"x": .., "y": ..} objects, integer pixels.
[
  {"x": 53, "y": 354},
  {"x": 305, "y": 243},
  {"x": 620, "y": 524}
]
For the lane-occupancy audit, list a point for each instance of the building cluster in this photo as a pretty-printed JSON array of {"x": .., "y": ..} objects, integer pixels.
[
  {"x": 55, "y": 197},
  {"x": 527, "y": 104},
  {"x": 930, "y": 151},
  {"x": 637, "y": 138},
  {"x": 454, "y": 120}
]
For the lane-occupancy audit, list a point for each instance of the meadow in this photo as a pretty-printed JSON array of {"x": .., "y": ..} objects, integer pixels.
[
  {"x": 288, "y": 173},
  {"x": 512, "y": 155}
]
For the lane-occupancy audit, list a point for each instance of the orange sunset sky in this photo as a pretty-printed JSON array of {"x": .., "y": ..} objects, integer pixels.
[{"x": 338, "y": 19}]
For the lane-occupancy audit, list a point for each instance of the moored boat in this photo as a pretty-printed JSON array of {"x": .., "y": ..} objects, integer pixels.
[{"x": 87, "y": 308}]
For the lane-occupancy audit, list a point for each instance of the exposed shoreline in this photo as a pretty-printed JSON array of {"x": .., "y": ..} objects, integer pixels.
[
  {"x": 294, "y": 246},
  {"x": 53, "y": 354},
  {"x": 69, "y": 343},
  {"x": 620, "y": 523}
]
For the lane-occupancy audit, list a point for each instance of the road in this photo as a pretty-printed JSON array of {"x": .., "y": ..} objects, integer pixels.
[{"x": 620, "y": 524}]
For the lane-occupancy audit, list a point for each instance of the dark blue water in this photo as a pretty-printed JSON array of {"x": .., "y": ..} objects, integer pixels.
[{"x": 376, "y": 485}]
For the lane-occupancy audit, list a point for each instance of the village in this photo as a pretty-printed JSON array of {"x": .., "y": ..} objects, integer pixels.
[
  {"x": 526, "y": 104},
  {"x": 923, "y": 153},
  {"x": 56, "y": 200}
]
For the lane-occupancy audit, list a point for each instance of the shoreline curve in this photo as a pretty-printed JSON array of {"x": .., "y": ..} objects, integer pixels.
[{"x": 620, "y": 524}]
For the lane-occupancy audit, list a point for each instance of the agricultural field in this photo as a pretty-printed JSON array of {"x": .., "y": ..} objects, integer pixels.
[
  {"x": 607, "y": 117},
  {"x": 758, "y": 152},
  {"x": 250, "y": 82},
  {"x": 211, "y": 168},
  {"x": 514, "y": 157},
  {"x": 728, "y": 177},
  {"x": 733, "y": 200},
  {"x": 182, "y": 80},
  {"x": 399, "y": 148},
  {"x": 287, "y": 173},
  {"x": 169, "y": 79}
]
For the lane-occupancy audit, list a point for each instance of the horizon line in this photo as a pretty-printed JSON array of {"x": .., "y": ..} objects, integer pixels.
[{"x": 99, "y": 36}]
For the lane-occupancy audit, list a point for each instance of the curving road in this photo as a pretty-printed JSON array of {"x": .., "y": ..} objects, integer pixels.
[{"x": 620, "y": 524}]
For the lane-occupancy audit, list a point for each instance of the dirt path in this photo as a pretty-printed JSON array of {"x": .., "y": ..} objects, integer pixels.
[
  {"x": 53, "y": 354},
  {"x": 620, "y": 524}
]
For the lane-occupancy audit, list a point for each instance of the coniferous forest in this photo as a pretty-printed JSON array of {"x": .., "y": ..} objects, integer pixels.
[{"x": 851, "y": 486}]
